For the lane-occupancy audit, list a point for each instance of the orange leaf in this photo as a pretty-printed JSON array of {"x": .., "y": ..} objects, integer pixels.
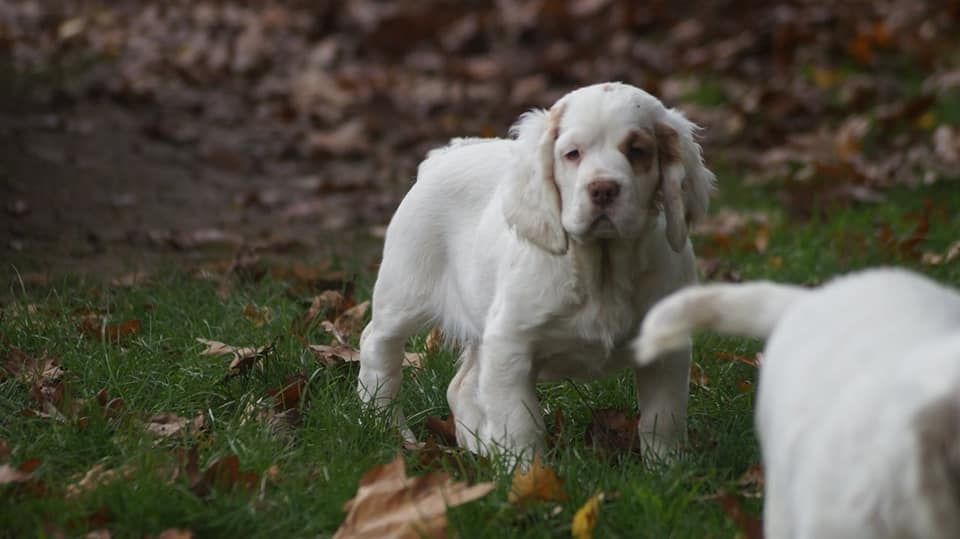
[{"x": 538, "y": 483}]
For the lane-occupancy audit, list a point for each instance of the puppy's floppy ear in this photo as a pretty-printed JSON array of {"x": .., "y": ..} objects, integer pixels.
[
  {"x": 532, "y": 203},
  {"x": 685, "y": 182}
]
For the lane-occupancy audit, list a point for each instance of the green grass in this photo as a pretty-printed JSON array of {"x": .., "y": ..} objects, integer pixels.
[{"x": 161, "y": 370}]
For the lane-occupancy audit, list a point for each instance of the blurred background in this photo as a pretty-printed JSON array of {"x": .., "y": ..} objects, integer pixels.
[{"x": 139, "y": 134}]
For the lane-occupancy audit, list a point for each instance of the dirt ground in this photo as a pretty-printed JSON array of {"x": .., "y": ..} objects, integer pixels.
[{"x": 87, "y": 190}]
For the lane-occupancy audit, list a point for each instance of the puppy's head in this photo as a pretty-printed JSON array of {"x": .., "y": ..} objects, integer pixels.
[{"x": 602, "y": 163}]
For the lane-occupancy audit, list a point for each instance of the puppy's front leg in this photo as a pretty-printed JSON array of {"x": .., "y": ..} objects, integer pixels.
[
  {"x": 513, "y": 421},
  {"x": 662, "y": 392}
]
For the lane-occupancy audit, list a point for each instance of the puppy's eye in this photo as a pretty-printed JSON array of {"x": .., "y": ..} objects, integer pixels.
[
  {"x": 572, "y": 155},
  {"x": 637, "y": 152}
]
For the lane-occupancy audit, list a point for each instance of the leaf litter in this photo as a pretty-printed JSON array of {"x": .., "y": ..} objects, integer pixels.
[{"x": 389, "y": 503}]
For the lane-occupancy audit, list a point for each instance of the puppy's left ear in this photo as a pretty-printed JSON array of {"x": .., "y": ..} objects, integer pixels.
[{"x": 685, "y": 182}]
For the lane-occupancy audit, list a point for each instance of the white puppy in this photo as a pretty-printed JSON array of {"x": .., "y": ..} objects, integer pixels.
[
  {"x": 539, "y": 255},
  {"x": 858, "y": 406}
]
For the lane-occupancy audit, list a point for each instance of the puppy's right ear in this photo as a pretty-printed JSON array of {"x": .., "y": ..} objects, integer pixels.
[{"x": 532, "y": 204}]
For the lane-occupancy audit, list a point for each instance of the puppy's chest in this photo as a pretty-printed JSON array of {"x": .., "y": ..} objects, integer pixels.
[{"x": 586, "y": 340}]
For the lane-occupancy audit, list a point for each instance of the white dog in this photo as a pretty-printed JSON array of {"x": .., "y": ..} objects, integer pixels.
[
  {"x": 858, "y": 407},
  {"x": 539, "y": 255}
]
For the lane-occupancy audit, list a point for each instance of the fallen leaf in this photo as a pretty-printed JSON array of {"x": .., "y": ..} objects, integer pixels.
[
  {"x": 225, "y": 473},
  {"x": 128, "y": 280},
  {"x": 175, "y": 533},
  {"x": 445, "y": 430},
  {"x": 434, "y": 341},
  {"x": 698, "y": 377},
  {"x": 389, "y": 504},
  {"x": 749, "y": 525},
  {"x": 351, "y": 321},
  {"x": 935, "y": 259},
  {"x": 413, "y": 359},
  {"x": 613, "y": 430},
  {"x": 752, "y": 481},
  {"x": 350, "y": 138},
  {"x": 96, "y": 477},
  {"x": 258, "y": 316},
  {"x": 538, "y": 483},
  {"x": 217, "y": 348},
  {"x": 168, "y": 424},
  {"x": 113, "y": 333},
  {"x": 29, "y": 370},
  {"x": 332, "y": 329},
  {"x": 243, "y": 358},
  {"x": 328, "y": 302},
  {"x": 289, "y": 396},
  {"x": 585, "y": 519},
  {"x": 331, "y": 355},
  {"x": 727, "y": 356},
  {"x": 9, "y": 474}
]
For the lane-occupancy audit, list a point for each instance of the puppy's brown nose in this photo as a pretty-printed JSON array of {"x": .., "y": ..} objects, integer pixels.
[{"x": 603, "y": 192}]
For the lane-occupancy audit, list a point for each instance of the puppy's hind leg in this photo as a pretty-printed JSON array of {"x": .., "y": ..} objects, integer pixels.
[
  {"x": 462, "y": 397},
  {"x": 381, "y": 360}
]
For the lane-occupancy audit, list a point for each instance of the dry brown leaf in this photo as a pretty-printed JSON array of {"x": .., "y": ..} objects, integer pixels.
[
  {"x": 434, "y": 342},
  {"x": 335, "y": 354},
  {"x": 330, "y": 328},
  {"x": 289, "y": 396},
  {"x": 697, "y": 377},
  {"x": 9, "y": 474},
  {"x": 935, "y": 259},
  {"x": 331, "y": 355},
  {"x": 175, "y": 533},
  {"x": 727, "y": 356},
  {"x": 131, "y": 279},
  {"x": 29, "y": 370},
  {"x": 413, "y": 359},
  {"x": 96, "y": 477},
  {"x": 538, "y": 483},
  {"x": 96, "y": 328},
  {"x": 752, "y": 481},
  {"x": 168, "y": 424},
  {"x": 445, "y": 430},
  {"x": 350, "y": 138},
  {"x": 749, "y": 525},
  {"x": 243, "y": 358},
  {"x": 613, "y": 430},
  {"x": 390, "y": 504},
  {"x": 225, "y": 473},
  {"x": 328, "y": 301},
  {"x": 351, "y": 321}
]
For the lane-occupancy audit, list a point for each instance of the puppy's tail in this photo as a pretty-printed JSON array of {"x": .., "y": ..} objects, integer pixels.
[{"x": 751, "y": 309}]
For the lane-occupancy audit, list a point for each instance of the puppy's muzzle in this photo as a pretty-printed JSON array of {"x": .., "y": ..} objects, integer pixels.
[{"x": 603, "y": 193}]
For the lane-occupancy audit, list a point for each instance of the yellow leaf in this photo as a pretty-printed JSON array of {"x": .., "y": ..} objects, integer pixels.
[
  {"x": 538, "y": 483},
  {"x": 258, "y": 316},
  {"x": 586, "y": 518},
  {"x": 927, "y": 121}
]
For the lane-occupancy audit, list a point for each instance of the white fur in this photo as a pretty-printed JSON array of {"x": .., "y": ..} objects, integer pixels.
[
  {"x": 858, "y": 407},
  {"x": 499, "y": 243}
]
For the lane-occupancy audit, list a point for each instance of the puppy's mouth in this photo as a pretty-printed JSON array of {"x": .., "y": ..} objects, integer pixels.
[{"x": 603, "y": 227}]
